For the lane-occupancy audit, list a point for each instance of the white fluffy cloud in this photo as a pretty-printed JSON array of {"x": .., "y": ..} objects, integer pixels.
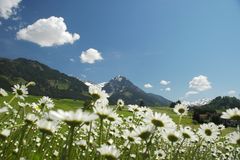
[
  {"x": 48, "y": 32},
  {"x": 148, "y": 85},
  {"x": 168, "y": 89},
  {"x": 191, "y": 93},
  {"x": 232, "y": 93},
  {"x": 7, "y": 7},
  {"x": 90, "y": 56},
  {"x": 164, "y": 82},
  {"x": 200, "y": 83}
]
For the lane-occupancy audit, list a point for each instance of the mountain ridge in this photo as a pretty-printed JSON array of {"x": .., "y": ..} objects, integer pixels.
[
  {"x": 49, "y": 82},
  {"x": 52, "y": 83},
  {"x": 120, "y": 86}
]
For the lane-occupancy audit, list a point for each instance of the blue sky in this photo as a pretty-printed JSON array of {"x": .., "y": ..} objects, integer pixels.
[{"x": 146, "y": 41}]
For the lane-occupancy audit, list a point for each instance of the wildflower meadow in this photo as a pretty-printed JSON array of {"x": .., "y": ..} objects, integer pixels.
[{"x": 37, "y": 131}]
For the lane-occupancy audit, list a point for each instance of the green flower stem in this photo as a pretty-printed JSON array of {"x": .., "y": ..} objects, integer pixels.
[
  {"x": 177, "y": 152},
  {"x": 42, "y": 109},
  {"x": 124, "y": 152},
  {"x": 43, "y": 139},
  {"x": 235, "y": 153},
  {"x": 148, "y": 145},
  {"x": 179, "y": 120},
  {"x": 12, "y": 99},
  {"x": 137, "y": 152},
  {"x": 133, "y": 117},
  {"x": 108, "y": 130},
  {"x": 20, "y": 145},
  {"x": 19, "y": 109},
  {"x": 88, "y": 140},
  {"x": 171, "y": 155},
  {"x": 117, "y": 108},
  {"x": 89, "y": 133},
  {"x": 4, "y": 150},
  {"x": 70, "y": 143},
  {"x": 64, "y": 150},
  {"x": 100, "y": 132},
  {"x": 130, "y": 150},
  {"x": 207, "y": 152},
  {"x": 24, "y": 112},
  {"x": 196, "y": 148}
]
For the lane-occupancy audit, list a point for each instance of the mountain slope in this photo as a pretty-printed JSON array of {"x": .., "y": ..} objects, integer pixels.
[
  {"x": 49, "y": 82},
  {"x": 121, "y": 88},
  {"x": 55, "y": 84},
  {"x": 224, "y": 102}
]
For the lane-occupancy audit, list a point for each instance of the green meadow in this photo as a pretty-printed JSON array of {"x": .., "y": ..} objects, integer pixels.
[{"x": 69, "y": 104}]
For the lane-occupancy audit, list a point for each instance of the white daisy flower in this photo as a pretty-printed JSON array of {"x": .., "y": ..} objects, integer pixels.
[
  {"x": 233, "y": 114},
  {"x": 102, "y": 112},
  {"x": 145, "y": 110},
  {"x": 160, "y": 154},
  {"x": 102, "y": 102},
  {"x": 110, "y": 152},
  {"x": 94, "y": 90},
  {"x": 3, "y": 93},
  {"x": 5, "y": 133},
  {"x": 159, "y": 120},
  {"x": 35, "y": 107},
  {"x": 55, "y": 153},
  {"x": 46, "y": 102},
  {"x": 71, "y": 117},
  {"x": 113, "y": 117},
  {"x": 110, "y": 142},
  {"x": 188, "y": 134},
  {"x": 181, "y": 109},
  {"x": 234, "y": 138},
  {"x": 171, "y": 135},
  {"x": 46, "y": 126},
  {"x": 221, "y": 127},
  {"x": 120, "y": 103},
  {"x": 20, "y": 91},
  {"x": 130, "y": 137},
  {"x": 209, "y": 132},
  {"x": 133, "y": 108},
  {"x": 143, "y": 131},
  {"x": 31, "y": 118},
  {"x": 229, "y": 148},
  {"x": 97, "y": 92},
  {"x": 82, "y": 143},
  {"x": 21, "y": 104},
  {"x": 3, "y": 109}
]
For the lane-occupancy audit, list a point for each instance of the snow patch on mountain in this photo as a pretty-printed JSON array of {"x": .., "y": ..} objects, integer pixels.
[
  {"x": 99, "y": 85},
  {"x": 199, "y": 102}
]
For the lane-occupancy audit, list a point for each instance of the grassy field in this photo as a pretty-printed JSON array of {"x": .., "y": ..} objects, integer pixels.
[
  {"x": 64, "y": 104},
  {"x": 69, "y": 104},
  {"x": 73, "y": 138},
  {"x": 186, "y": 121}
]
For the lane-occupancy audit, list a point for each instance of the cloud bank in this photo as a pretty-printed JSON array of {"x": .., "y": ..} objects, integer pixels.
[
  {"x": 148, "y": 85},
  {"x": 164, "y": 82},
  {"x": 48, "y": 32},
  {"x": 7, "y": 8},
  {"x": 90, "y": 56},
  {"x": 200, "y": 83}
]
